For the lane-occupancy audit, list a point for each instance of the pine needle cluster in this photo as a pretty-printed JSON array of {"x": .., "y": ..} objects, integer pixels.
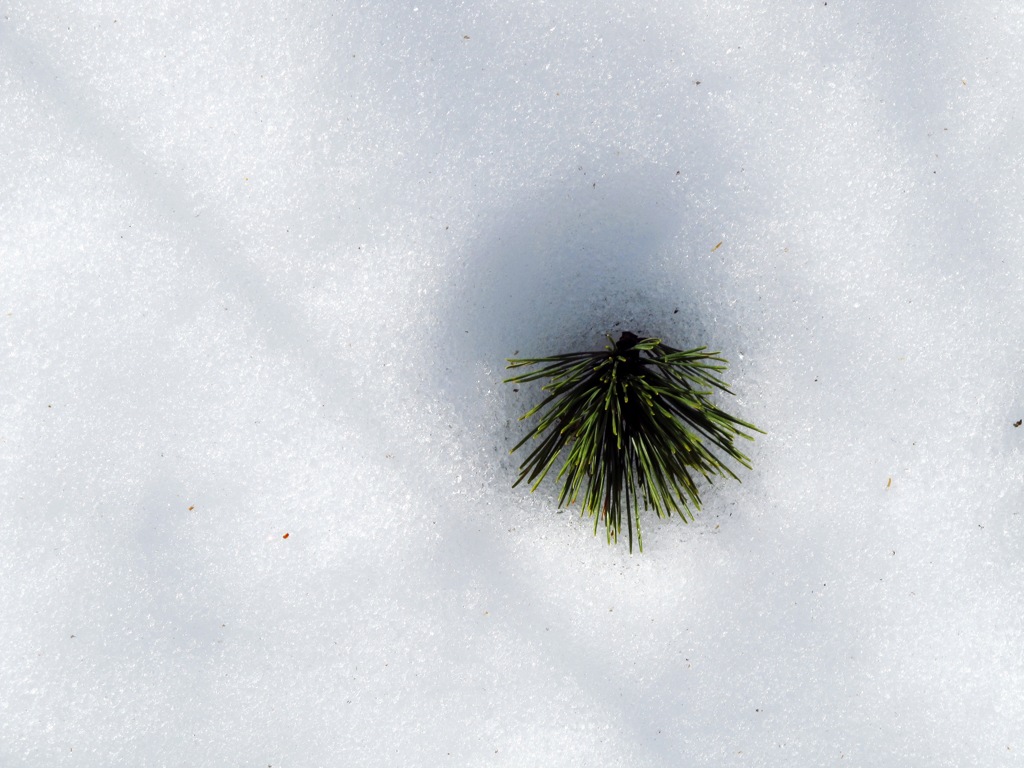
[{"x": 639, "y": 427}]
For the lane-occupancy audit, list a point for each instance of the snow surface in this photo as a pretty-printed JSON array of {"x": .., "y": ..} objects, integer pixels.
[{"x": 261, "y": 264}]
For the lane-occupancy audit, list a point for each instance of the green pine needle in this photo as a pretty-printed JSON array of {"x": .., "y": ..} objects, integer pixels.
[{"x": 639, "y": 427}]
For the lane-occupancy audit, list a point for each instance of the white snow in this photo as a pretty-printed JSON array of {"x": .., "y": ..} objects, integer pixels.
[{"x": 261, "y": 264}]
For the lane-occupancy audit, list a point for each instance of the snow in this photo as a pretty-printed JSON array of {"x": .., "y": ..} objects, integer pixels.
[{"x": 261, "y": 264}]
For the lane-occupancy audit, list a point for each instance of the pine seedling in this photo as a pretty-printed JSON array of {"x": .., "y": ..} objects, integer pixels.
[{"x": 639, "y": 427}]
